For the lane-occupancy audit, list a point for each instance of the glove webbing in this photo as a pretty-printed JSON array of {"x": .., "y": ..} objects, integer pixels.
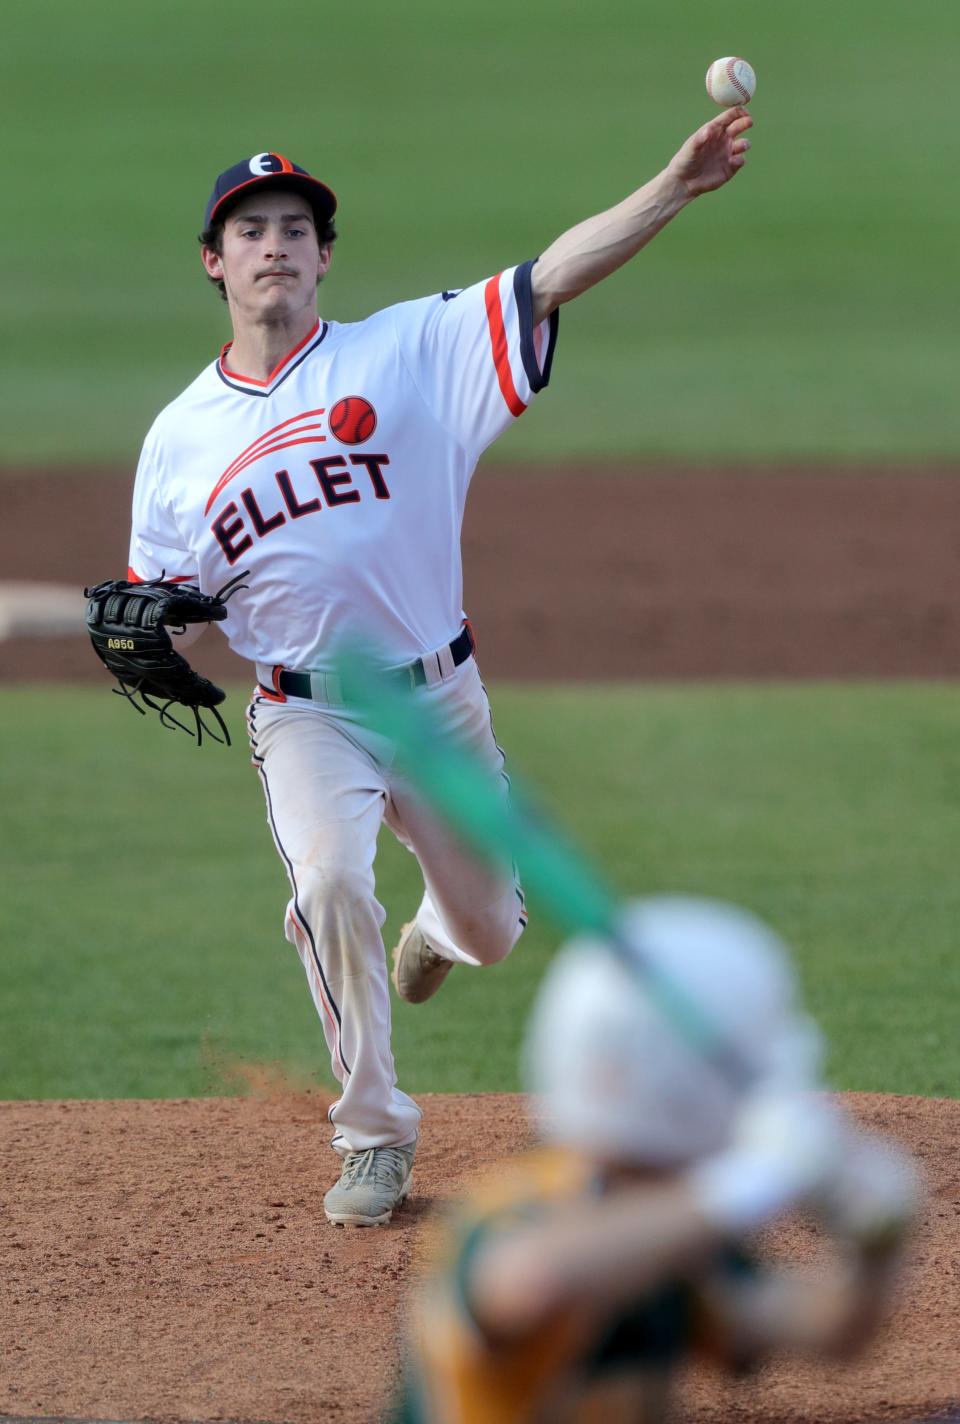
[{"x": 167, "y": 718}]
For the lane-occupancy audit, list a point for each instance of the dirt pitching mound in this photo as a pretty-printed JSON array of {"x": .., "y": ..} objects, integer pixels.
[{"x": 170, "y": 1261}]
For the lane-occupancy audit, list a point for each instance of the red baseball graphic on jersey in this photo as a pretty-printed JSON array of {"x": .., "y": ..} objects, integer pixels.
[{"x": 352, "y": 420}]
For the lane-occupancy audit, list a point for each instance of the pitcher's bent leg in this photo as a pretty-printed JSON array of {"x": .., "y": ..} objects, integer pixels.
[
  {"x": 469, "y": 913},
  {"x": 325, "y": 802}
]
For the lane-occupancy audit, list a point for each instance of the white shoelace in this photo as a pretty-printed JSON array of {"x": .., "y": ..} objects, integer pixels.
[{"x": 383, "y": 1165}]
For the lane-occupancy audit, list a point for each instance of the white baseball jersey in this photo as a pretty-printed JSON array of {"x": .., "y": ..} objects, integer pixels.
[{"x": 338, "y": 485}]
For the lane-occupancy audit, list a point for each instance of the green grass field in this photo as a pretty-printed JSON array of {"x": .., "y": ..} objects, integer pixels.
[
  {"x": 144, "y": 898},
  {"x": 806, "y": 311}
]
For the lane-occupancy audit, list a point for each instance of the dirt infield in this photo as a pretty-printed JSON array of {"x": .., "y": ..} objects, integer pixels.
[
  {"x": 169, "y": 1260},
  {"x": 602, "y": 572}
]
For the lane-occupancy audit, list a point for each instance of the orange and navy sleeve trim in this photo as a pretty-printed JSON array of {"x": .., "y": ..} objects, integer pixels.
[
  {"x": 537, "y": 371},
  {"x": 500, "y": 346}
]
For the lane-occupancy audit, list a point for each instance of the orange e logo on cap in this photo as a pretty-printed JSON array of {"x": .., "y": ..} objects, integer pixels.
[{"x": 263, "y": 163}]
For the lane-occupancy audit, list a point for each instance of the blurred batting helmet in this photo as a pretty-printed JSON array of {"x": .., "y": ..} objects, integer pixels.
[{"x": 620, "y": 1072}]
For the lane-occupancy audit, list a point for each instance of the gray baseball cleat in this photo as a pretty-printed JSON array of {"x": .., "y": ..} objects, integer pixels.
[
  {"x": 371, "y": 1184},
  {"x": 418, "y": 971}
]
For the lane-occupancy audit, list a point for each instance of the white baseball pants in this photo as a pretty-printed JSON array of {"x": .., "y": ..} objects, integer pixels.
[{"x": 329, "y": 784}]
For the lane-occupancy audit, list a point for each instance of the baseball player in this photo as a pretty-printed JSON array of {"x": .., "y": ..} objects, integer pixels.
[
  {"x": 320, "y": 470},
  {"x": 574, "y": 1282}
]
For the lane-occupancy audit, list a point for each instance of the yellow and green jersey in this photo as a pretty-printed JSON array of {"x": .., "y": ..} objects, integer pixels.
[{"x": 576, "y": 1368}]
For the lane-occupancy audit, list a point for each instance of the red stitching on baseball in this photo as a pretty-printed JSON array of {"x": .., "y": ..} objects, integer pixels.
[{"x": 734, "y": 80}]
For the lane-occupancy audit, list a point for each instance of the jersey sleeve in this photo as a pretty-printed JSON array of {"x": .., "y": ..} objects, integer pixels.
[
  {"x": 156, "y": 547},
  {"x": 476, "y": 356}
]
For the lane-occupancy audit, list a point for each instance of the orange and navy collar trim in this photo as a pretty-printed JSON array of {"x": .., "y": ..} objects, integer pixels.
[{"x": 248, "y": 386}]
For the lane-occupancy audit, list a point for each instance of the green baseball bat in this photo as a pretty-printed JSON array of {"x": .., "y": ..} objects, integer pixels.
[{"x": 506, "y": 831}]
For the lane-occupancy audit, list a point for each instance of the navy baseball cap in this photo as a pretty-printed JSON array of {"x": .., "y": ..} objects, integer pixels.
[{"x": 269, "y": 170}]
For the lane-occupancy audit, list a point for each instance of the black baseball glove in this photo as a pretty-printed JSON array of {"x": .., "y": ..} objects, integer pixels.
[{"x": 128, "y": 622}]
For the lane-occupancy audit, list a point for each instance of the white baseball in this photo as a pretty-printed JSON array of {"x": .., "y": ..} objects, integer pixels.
[{"x": 731, "y": 81}]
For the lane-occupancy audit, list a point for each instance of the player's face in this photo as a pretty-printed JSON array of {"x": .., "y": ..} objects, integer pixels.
[{"x": 272, "y": 259}]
